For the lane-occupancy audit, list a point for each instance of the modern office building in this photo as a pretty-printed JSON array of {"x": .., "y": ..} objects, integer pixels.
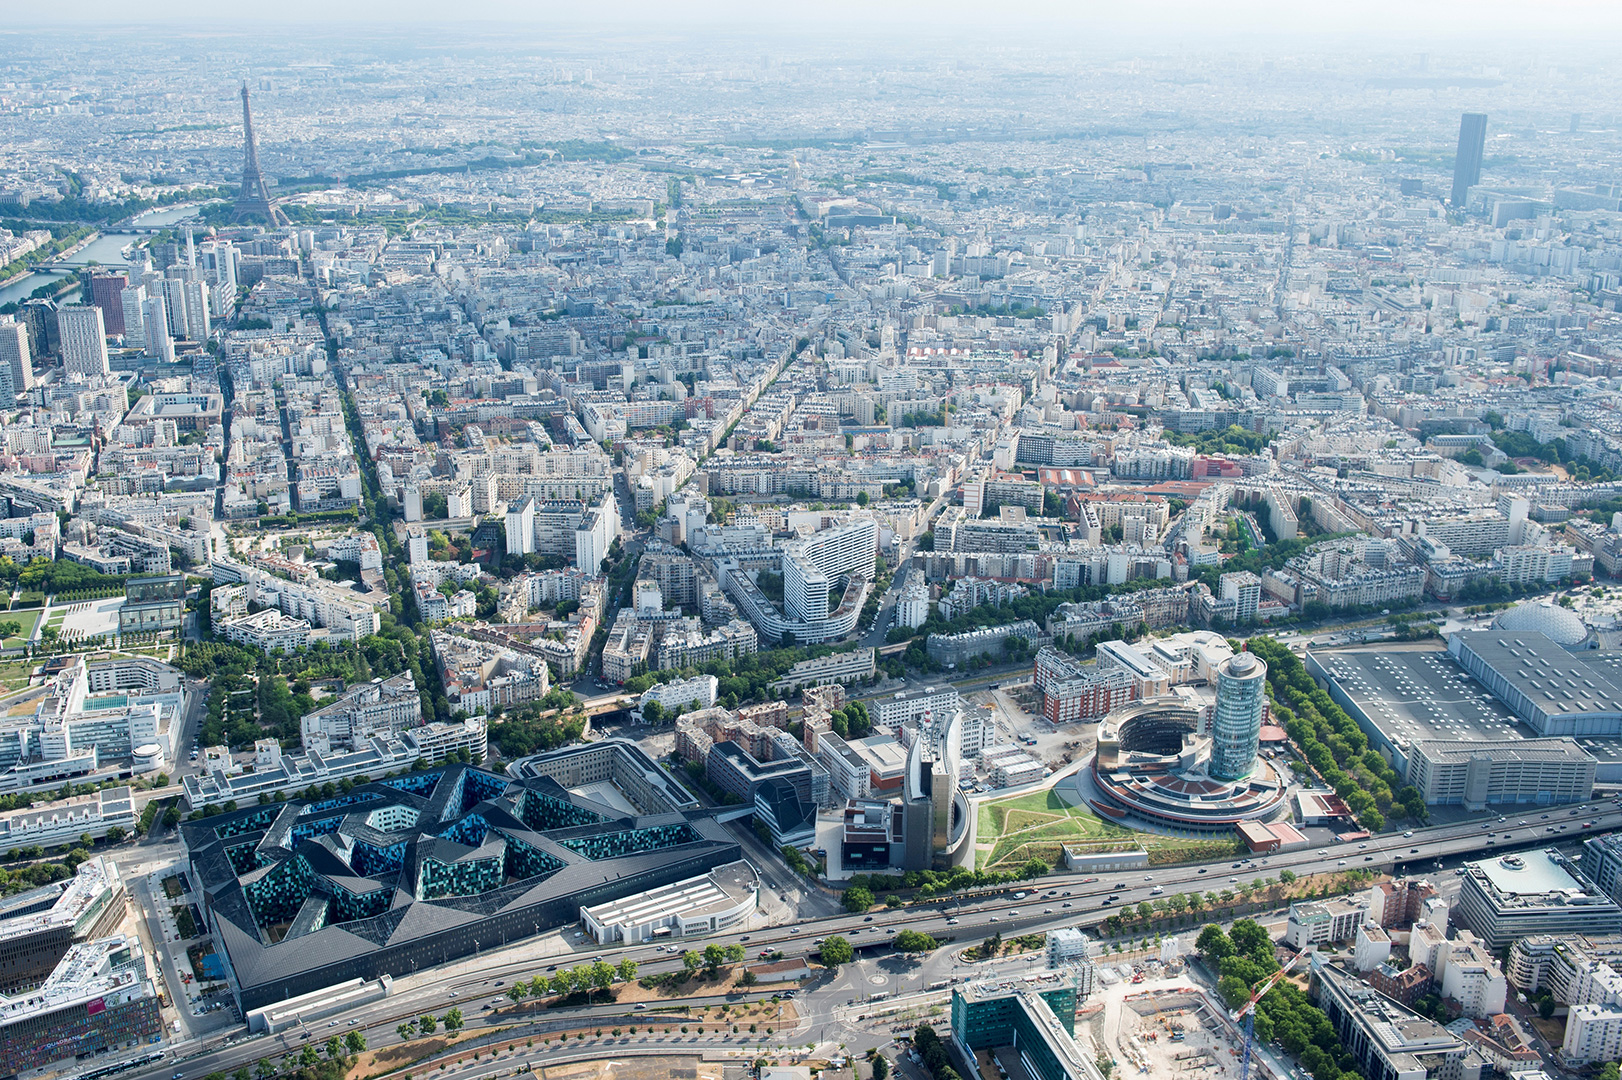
[
  {"x": 872, "y": 837},
  {"x": 1541, "y": 772},
  {"x": 89, "y": 715},
  {"x": 699, "y": 906},
  {"x": 1385, "y": 1039},
  {"x": 1532, "y": 892},
  {"x": 84, "y": 340},
  {"x": 1033, "y": 1016},
  {"x": 1601, "y": 862},
  {"x": 405, "y": 872},
  {"x": 1153, "y": 762},
  {"x": 790, "y": 819},
  {"x": 106, "y": 294},
  {"x": 1066, "y": 945},
  {"x": 1467, "y": 160},
  {"x": 38, "y": 927},
  {"x": 733, "y": 768},
  {"x": 101, "y": 998},
  {"x": 1237, "y": 725},
  {"x": 153, "y": 604}
]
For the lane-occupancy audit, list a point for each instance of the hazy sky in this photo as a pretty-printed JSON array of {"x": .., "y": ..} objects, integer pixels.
[{"x": 1586, "y": 25}]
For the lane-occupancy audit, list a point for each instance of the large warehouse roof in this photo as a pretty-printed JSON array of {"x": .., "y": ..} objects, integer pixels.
[{"x": 1556, "y": 692}]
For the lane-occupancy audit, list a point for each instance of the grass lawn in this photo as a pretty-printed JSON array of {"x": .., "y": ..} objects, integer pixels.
[
  {"x": 1038, "y": 824},
  {"x": 15, "y": 676},
  {"x": 27, "y": 619}
]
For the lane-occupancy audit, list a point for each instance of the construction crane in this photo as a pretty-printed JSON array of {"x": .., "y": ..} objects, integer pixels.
[{"x": 1247, "y": 1013}]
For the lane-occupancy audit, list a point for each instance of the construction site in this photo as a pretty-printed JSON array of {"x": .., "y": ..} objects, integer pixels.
[{"x": 1163, "y": 1026}]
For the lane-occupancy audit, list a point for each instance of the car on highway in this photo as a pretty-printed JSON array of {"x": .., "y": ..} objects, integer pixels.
[
  {"x": 1068, "y": 904},
  {"x": 953, "y": 922},
  {"x": 1341, "y": 863},
  {"x": 1235, "y": 881},
  {"x": 1204, "y": 869},
  {"x": 641, "y": 1005}
]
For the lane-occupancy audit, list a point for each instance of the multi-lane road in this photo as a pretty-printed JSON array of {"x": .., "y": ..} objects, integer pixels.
[{"x": 1058, "y": 899}]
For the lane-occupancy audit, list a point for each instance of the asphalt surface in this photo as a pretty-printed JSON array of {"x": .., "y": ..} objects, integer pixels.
[{"x": 962, "y": 920}]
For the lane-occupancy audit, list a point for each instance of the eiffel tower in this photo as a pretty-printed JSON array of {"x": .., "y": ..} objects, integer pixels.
[{"x": 253, "y": 201}]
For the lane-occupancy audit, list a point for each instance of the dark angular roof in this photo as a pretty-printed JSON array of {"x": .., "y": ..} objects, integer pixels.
[{"x": 334, "y": 839}]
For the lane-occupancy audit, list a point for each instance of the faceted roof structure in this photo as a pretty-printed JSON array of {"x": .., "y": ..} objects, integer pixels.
[{"x": 419, "y": 869}]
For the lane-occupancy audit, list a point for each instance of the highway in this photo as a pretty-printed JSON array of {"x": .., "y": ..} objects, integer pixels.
[{"x": 1059, "y": 899}]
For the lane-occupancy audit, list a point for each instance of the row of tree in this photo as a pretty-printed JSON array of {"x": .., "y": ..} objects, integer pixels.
[
  {"x": 586, "y": 979},
  {"x": 1332, "y": 743},
  {"x": 932, "y": 883},
  {"x": 427, "y": 1025},
  {"x": 331, "y": 1062}
]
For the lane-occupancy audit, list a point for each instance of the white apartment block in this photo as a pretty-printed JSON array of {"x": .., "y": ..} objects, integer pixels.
[
  {"x": 1593, "y": 1033},
  {"x": 84, "y": 340},
  {"x": 908, "y": 706},
  {"x": 1321, "y": 922},
  {"x": 381, "y": 707},
  {"x": 697, "y": 693},
  {"x": 1473, "y": 978}
]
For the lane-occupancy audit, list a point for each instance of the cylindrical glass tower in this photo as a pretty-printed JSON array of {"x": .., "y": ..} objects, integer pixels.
[{"x": 1236, "y": 730}]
